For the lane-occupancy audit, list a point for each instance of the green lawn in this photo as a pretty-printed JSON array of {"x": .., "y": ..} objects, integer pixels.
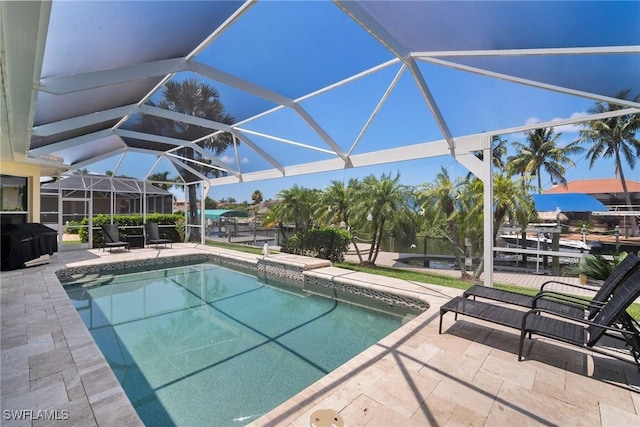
[{"x": 413, "y": 275}]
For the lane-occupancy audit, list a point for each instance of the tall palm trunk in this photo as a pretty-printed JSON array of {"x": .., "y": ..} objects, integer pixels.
[
  {"x": 379, "y": 239},
  {"x": 345, "y": 219},
  {"x": 194, "y": 234}
]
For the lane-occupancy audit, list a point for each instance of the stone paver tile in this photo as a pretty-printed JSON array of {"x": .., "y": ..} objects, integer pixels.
[
  {"x": 9, "y": 341},
  {"x": 554, "y": 353},
  {"x": 435, "y": 410},
  {"x": 612, "y": 416},
  {"x": 87, "y": 355},
  {"x": 467, "y": 329},
  {"x": 76, "y": 413},
  {"x": 449, "y": 340},
  {"x": 49, "y": 362},
  {"x": 50, "y": 396},
  {"x": 72, "y": 383},
  {"x": 15, "y": 369},
  {"x": 14, "y": 385},
  {"x": 47, "y": 381},
  {"x": 407, "y": 357},
  {"x": 462, "y": 416},
  {"x": 516, "y": 403},
  {"x": 520, "y": 374},
  {"x": 357, "y": 413},
  {"x": 116, "y": 410},
  {"x": 477, "y": 395},
  {"x": 402, "y": 390},
  {"x": 310, "y": 400},
  {"x": 367, "y": 412},
  {"x": 587, "y": 392},
  {"x": 478, "y": 351},
  {"x": 450, "y": 364},
  {"x": 427, "y": 351},
  {"x": 99, "y": 383},
  {"x": 548, "y": 376}
]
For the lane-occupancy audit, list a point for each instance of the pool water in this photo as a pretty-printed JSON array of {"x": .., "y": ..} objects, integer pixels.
[{"x": 208, "y": 346}]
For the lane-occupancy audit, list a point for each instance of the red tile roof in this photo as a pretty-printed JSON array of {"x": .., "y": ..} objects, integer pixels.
[{"x": 595, "y": 186}]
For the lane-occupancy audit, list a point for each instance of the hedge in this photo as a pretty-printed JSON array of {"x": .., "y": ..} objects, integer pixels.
[
  {"x": 325, "y": 243},
  {"x": 131, "y": 220}
]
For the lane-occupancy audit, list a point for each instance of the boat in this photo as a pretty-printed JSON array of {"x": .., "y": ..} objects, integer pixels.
[{"x": 539, "y": 241}]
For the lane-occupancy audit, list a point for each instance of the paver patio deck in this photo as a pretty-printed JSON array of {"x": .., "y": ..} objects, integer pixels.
[{"x": 468, "y": 375}]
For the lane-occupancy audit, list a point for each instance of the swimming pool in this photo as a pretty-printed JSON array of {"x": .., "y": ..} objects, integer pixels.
[{"x": 206, "y": 345}]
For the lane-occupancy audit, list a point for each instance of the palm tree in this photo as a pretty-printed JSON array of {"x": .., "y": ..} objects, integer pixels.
[
  {"x": 163, "y": 177},
  {"x": 256, "y": 197},
  {"x": 198, "y": 99},
  {"x": 83, "y": 171},
  {"x": 382, "y": 205},
  {"x": 614, "y": 137},
  {"x": 336, "y": 206},
  {"x": 296, "y": 206},
  {"x": 443, "y": 196},
  {"x": 542, "y": 152}
]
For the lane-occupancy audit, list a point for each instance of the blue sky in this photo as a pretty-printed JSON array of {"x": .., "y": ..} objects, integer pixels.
[{"x": 275, "y": 56}]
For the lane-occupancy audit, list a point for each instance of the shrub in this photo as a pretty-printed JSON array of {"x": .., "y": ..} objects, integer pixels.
[
  {"x": 134, "y": 220},
  {"x": 596, "y": 266},
  {"x": 325, "y": 243},
  {"x": 73, "y": 227}
]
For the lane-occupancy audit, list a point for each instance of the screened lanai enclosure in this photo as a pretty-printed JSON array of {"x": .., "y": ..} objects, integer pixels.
[
  {"x": 67, "y": 201},
  {"x": 212, "y": 93}
]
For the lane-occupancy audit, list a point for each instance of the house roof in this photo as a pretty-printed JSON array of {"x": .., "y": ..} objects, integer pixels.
[
  {"x": 79, "y": 77},
  {"x": 595, "y": 186}
]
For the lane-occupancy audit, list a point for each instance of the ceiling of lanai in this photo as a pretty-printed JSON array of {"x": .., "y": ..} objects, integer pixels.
[{"x": 311, "y": 86}]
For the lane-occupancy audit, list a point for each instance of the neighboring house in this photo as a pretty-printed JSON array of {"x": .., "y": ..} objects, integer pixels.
[
  {"x": 261, "y": 210},
  {"x": 609, "y": 192},
  {"x": 181, "y": 205}
]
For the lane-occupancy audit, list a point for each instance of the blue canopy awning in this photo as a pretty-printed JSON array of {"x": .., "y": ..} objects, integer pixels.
[{"x": 568, "y": 202}]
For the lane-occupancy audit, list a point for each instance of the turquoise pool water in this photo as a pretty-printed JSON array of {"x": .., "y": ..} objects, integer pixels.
[{"x": 207, "y": 346}]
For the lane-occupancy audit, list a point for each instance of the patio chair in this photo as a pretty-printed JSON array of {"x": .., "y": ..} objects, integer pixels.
[
  {"x": 571, "y": 305},
  {"x": 153, "y": 235},
  {"x": 111, "y": 237},
  {"x": 611, "y": 320}
]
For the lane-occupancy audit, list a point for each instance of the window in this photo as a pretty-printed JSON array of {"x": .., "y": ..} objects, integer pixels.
[{"x": 13, "y": 199}]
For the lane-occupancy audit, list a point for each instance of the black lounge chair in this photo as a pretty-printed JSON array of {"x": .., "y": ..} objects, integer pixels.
[
  {"x": 111, "y": 237},
  {"x": 611, "y": 320},
  {"x": 562, "y": 303},
  {"x": 153, "y": 235}
]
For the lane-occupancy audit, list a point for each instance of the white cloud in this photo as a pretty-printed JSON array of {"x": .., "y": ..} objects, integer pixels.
[
  {"x": 227, "y": 159},
  {"x": 532, "y": 121},
  {"x": 231, "y": 160},
  {"x": 572, "y": 128}
]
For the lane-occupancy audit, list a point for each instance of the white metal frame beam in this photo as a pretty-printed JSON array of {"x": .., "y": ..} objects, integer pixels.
[
  {"x": 528, "y": 82},
  {"x": 373, "y": 27},
  {"x": 96, "y": 79}
]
